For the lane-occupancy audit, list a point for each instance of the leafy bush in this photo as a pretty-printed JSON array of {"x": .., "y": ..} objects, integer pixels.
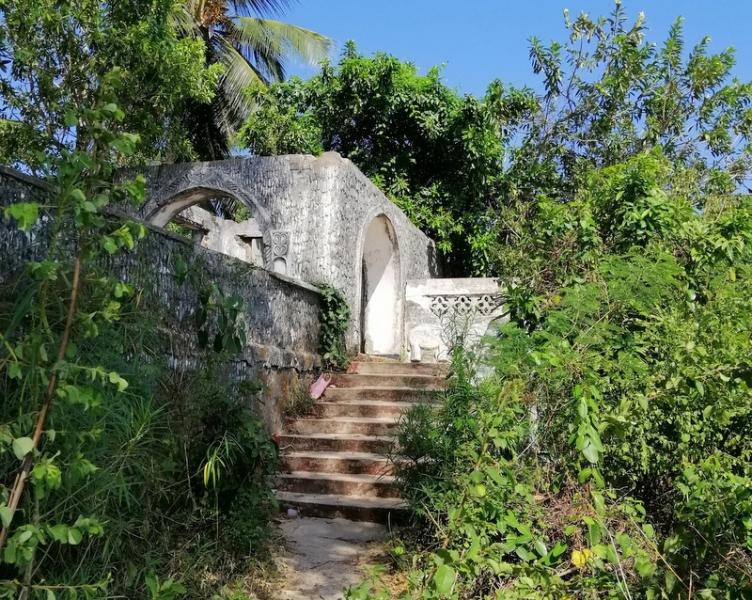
[
  {"x": 436, "y": 154},
  {"x": 608, "y": 453},
  {"x": 57, "y": 52},
  {"x": 116, "y": 479}
]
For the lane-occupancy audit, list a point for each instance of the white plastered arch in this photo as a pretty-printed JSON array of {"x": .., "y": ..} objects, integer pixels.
[{"x": 380, "y": 287}]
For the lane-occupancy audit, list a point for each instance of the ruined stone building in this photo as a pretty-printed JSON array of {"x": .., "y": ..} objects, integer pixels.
[{"x": 311, "y": 220}]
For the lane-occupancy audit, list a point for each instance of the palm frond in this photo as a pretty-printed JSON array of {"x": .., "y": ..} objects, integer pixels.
[
  {"x": 239, "y": 73},
  {"x": 261, "y": 7},
  {"x": 252, "y": 51},
  {"x": 271, "y": 44},
  {"x": 186, "y": 20},
  {"x": 212, "y": 126}
]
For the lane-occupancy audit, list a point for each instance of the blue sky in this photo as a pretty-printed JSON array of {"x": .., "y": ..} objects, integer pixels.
[{"x": 480, "y": 40}]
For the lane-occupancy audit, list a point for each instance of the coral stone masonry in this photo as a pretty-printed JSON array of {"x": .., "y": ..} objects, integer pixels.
[
  {"x": 319, "y": 220},
  {"x": 302, "y": 221}
]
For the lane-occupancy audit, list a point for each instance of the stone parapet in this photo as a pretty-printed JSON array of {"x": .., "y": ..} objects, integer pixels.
[
  {"x": 281, "y": 313},
  {"x": 313, "y": 216},
  {"x": 442, "y": 313}
]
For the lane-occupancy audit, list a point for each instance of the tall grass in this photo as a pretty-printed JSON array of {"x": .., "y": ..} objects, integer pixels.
[{"x": 134, "y": 464}]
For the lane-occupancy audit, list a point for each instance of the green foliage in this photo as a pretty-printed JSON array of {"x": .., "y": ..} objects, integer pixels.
[
  {"x": 218, "y": 312},
  {"x": 607, "y": 455},
  {"x": 334, "y": 322},
  {"x": 436, "y": 154},
  {"x": 372, "y": 588},
  {"x": 498, "y": 520},
  {"x": 301, "y": 404},
  {"x": 462, "y": 167},
  {"x": 610, "y": 95},
  {"x": 116, "y": 499},
  {"x": 252, "y": 51},
  {"x": 47, "y": 373},
  {"x": 54, "y": 54},
  {"x": 231, "y": 458},
  {"x": 653, "y": 348}
]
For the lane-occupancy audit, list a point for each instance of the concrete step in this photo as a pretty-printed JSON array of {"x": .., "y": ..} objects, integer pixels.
[
  {"x": 398, "y": 368},
  {"x": 355, "y": 508},
  {"x": 343, "y": 425},
  {"x": 334, "y": 442},
  {"x": 334, "y": 460},
  {"x": 337, "y": 462},
  {"x": 422, "y": 382},
  {"x": 338, "y": 484},
  {"x": 379, "y": 394},
  {"x": 360, "y": 408}
]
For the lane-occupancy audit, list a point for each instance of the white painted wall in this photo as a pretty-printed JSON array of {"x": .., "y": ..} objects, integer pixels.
[
  {"x": 382, "y": 286},
  {"x": 442, "y": 312}
]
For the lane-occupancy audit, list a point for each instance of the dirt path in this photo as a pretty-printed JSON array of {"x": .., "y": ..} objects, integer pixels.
[{"x": 326, "y": 555}]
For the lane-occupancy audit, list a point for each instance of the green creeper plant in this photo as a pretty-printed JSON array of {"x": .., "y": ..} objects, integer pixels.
[
  {"x": 217, "y": 310},
  {"x": 334, "y": 322}
]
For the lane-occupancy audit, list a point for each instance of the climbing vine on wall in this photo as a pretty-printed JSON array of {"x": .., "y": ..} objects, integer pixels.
[{"x": 335, "y": 318}]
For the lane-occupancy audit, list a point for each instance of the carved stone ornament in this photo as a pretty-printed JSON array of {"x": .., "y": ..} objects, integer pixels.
[
  {"x": 278, "y": 255},
  {"x": 280, "y": 244},
  {"x": 483, "y": 304}
]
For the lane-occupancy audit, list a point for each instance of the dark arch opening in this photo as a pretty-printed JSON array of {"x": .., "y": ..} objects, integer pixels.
[{"x": 215, "y": 220}]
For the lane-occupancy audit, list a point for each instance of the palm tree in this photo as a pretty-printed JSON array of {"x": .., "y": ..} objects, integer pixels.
[{"x": 252, "y": 49}]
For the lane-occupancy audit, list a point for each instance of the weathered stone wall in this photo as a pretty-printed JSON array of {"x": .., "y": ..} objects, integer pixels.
[
  {"x": 313, "y": 212},
  {"x": 17, "y": 248},
  {"x": 282, "y": 315}
]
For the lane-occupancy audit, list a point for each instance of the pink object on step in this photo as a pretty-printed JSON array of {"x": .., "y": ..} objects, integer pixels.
[{"x": 319, "y": 386}]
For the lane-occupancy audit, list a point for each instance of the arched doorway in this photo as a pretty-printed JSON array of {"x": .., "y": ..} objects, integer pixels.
[{"x": 381, "y": 310}]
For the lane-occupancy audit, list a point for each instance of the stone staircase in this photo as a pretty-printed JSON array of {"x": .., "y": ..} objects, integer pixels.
[{"x": 335, "y": 462}]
